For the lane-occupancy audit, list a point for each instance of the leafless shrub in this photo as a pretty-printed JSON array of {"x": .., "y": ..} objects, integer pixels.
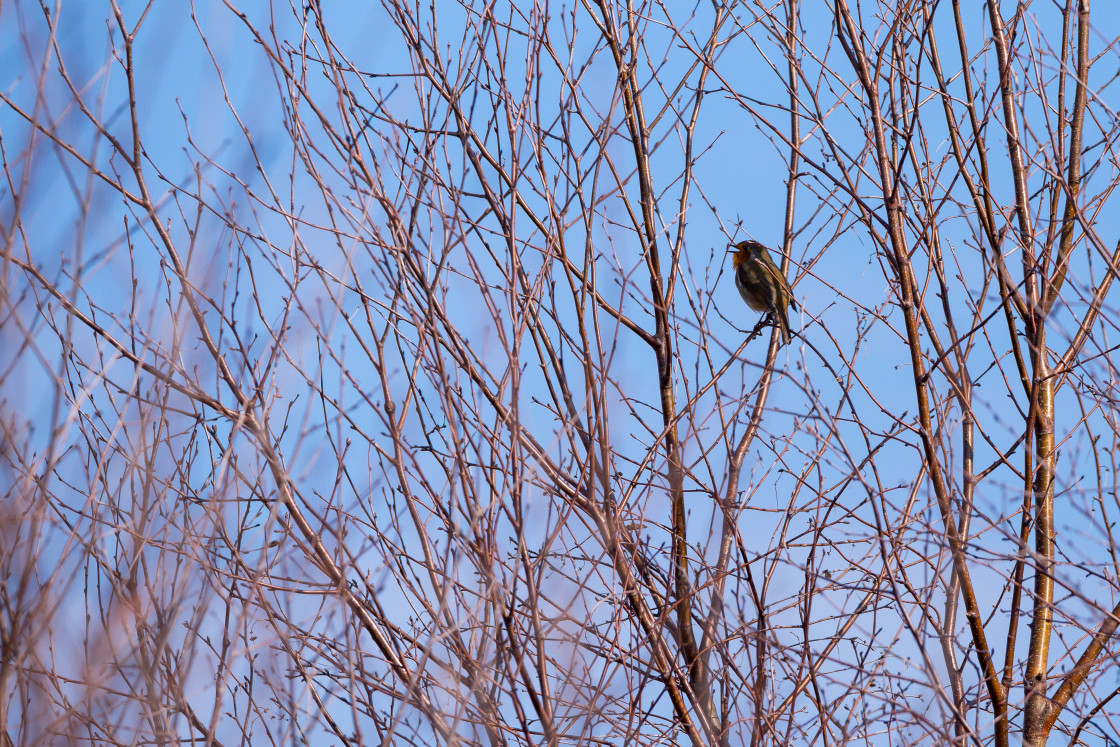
[{"x": 371, "y": 376}]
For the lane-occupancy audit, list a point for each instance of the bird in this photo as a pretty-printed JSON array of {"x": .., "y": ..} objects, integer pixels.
[{"x": 761, "y": 283}]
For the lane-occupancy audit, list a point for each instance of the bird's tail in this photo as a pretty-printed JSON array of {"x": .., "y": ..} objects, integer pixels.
[{"x": 783, "y": 323}]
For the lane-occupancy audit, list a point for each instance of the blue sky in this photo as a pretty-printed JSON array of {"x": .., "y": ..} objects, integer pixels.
[{"x": 195, "y": 123}]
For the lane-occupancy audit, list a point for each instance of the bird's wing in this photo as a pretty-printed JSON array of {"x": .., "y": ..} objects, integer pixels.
[{"x": 776, "y": 273}]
